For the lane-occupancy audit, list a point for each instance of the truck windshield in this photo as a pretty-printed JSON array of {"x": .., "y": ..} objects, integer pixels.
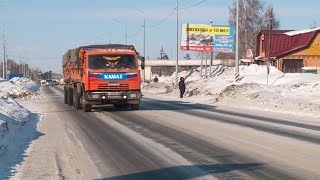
[{"x": 112, "y": 62}]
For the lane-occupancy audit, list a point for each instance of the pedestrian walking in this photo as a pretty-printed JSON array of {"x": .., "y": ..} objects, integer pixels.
[
  {"x": 155, "y": 79},
  {"x": 182, "y": 87}
]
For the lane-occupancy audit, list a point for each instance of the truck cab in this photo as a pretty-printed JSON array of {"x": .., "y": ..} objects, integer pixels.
[{"x": 103, "y": 74}]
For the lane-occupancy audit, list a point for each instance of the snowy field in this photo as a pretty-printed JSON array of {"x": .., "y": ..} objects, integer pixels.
[
  {"x": 17, "y": 124},
  {"x": 290, "y": 93}
]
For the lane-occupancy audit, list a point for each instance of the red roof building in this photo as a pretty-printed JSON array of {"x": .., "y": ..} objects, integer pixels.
[{"x": 290, "y": 50}]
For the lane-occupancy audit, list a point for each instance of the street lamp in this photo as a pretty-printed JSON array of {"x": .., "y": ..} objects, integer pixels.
[
  {"x": 144, "y": 40},
  {"x": 177, "y": 36},
  {"x": 125, "y": 27},
  {"x": 4, "y": 66}
]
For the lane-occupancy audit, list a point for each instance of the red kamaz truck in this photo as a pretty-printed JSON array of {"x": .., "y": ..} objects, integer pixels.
[{"x": 102, "y": 74}]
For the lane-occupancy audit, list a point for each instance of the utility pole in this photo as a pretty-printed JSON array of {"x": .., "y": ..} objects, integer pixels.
[
  {"x": 126, "y": 35},
  {"x": 110, "y": 38},
  {"x": 177, "y": 38},
  {"x": 4, "y": 56},
  {"x": 144, "y": 44},
  {"x": 237, "y": 46},
  {"x": 269, "y": 47}
]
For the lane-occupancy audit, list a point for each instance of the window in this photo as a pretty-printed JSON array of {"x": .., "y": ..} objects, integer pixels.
[{"x": 103, "y": 61}]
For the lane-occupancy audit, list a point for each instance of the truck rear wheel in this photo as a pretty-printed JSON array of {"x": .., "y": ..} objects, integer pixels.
[
  {"x": 86, "y": 108},
  {"x": 135, "y": 106},
  {"x": 70, "y": 96},
  {"x": 65, "y": 95},
  {"x": 76, "y": 99}
]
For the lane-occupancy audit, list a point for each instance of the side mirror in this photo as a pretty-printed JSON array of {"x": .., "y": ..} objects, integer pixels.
[{"x": 142, "y": 62}]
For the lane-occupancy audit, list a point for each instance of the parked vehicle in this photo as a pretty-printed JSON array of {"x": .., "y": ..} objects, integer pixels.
[
  {"x": 61, "y": 82},
  {"x": 55, "y": 82},
  {"x": 49, "y": 82},
  {"x": 42, "y": 82},
  {"x": 102, "y": 74}
]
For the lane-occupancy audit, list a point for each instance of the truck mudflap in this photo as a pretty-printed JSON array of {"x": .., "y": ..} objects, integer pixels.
[{"x": 98, "y": 98}]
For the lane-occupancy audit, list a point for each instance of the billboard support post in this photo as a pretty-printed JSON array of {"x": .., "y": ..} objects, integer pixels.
[
  {"x": 201, "y": 64},
  {"x": 205, "y": 66},
  {"x": 211, "y": 59}
]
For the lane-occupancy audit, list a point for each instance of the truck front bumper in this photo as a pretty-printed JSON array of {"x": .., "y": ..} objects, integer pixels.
[{"x": 96, "y": 98}]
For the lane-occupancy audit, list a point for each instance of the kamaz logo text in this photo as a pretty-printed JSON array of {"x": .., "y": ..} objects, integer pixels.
[{"x": 113, "y": 76}]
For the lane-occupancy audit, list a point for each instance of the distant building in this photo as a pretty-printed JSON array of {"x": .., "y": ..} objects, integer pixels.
[{"x": 290, "y": 50}]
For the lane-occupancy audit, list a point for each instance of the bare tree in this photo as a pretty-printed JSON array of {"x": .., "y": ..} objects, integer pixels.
[
  {"x": 254, "y": 16},
  {"x": 314, "y": 24}
]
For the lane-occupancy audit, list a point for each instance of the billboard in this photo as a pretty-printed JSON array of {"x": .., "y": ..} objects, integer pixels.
[{"x": 201, "y": 37}]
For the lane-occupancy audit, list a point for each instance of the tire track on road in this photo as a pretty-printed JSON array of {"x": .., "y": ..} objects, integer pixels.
[
  {"x": 254, "y": 124},
  {"x": 197, "y": 150}
]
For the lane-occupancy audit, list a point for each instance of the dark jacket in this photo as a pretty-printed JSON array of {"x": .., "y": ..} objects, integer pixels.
[{"x": 182, "y": 85}]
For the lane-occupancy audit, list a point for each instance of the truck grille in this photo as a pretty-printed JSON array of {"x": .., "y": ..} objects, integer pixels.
[{"x": 113, "y": 87}]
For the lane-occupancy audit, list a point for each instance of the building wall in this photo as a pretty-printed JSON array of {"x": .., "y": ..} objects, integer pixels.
[{"x": 310, "y": 56}]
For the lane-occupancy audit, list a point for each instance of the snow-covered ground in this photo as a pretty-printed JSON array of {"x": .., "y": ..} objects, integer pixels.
[
  {"x": 290, "y": 93},
  {"x": 17, "y": 124}
]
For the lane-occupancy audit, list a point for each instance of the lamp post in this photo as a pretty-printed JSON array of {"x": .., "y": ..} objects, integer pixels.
[
  {"x": 144, "y": 41},
  {"x": 177, "y": 38},
  {"x": 125, "y": 27}
]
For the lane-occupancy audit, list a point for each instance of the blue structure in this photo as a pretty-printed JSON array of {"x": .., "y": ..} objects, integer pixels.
[{"x": 10, "y": 76}]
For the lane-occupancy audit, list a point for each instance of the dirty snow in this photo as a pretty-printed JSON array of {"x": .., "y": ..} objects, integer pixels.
[
  {"x": 290, "y": 93},
  {"x": 17, "y": 124},
  {"x": 18, "y": 88}
]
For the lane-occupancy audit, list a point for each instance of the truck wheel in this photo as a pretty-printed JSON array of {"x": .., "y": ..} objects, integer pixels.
[
  {"x": 76, "y": 100},
  {"x": 65, "y": 95},
  {"x": 70, "y": 96},
  {"x": 86, "y": 108},
  {"x": 135, "y": 106}
]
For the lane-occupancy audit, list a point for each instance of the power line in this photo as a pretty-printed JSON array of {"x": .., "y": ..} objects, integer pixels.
[
  {"x": 193, "y": 5},
  {"x": 136, "y": 33},
  {"x": 121, "y": 39},
  {"x": 163, "y": 19}
]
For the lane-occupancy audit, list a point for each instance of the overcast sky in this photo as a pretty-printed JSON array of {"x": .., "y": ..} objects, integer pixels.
[{"x": 39, "y": 32}]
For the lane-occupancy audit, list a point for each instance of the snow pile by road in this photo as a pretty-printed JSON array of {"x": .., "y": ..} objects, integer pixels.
[
  {"x": 18, "y": 88},
  {"x": 17, "y": 124},
  {"x": 291, "y": 93}
]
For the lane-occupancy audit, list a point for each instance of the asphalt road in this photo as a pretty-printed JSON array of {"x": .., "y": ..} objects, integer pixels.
[{"x": 176, "y": 140}]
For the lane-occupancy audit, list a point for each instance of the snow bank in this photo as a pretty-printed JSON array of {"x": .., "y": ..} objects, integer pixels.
[
  {"x": 17, "y": 124},
  {"x": 18, "y": 88},
  {"x": 287, "y": 93}
]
